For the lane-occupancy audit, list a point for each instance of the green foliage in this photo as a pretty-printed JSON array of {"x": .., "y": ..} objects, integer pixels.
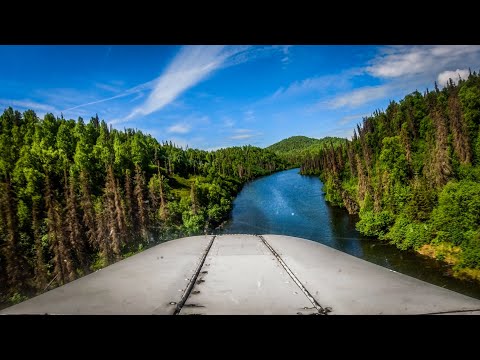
[
  {"x": 332, "y": 193},
  {"x": 458, "y": 211},
  {"x": 375, "y": 224},
  {"x": 471, "y": 253},
  {"x": 296, "y": 149},
  {"x": 476, "y": 149},
  {"x": 351, "y": 186},
  {"x": 76, "y": 197},
  {"x": 413, "y": 171},
  {"x": 193, "y": 223},
  {"x": 408, "y": 235},
  {"x": 468, "y": 172},
  {"x": 293, "y": 143},
  {"x": 421, "y": 201},
  {"x": 393, "y": 158},
  {"x": 99, "y": 263},
  {"x": 17, "y": 298},
  {"x": 469, "y": 95}
]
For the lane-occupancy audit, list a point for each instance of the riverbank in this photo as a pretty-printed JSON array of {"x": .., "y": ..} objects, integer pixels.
[
  {"x": 417, "y": 236},
  {"x": 287, "y": 203},
  {"x": 449, "y": 255}
]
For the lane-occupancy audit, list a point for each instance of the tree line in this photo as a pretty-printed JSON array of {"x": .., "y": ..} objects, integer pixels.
[
  {"x": 76, "y": 196},
  {"x": 296, "y": 150},
  {"x": 412, "y": 174}
]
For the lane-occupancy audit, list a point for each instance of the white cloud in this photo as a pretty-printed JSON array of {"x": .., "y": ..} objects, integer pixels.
[
  {"x": 228, "y": 122},
  {"x": 242, "y": 136},
  {"x": 179, "y": 128},
  {"x": 403, "y": 69},
  {"x": 214, "y": 148},
  {"x": 341, "y": 132},
  {"x": 445, "y": 75},
  {"x": 303, "y": 86},
  {"x": 398, "y": 61},
  {"x": 249, "y": 115},
  {"x": 316, "y": 84},
  {"x": 286, "y": 51},
  {"x": 191, "y": 65},
  {"x": 359, "y": 96},
  {"x": 139, "y": 96},
  {"x": 348, "y": 119},
  {"x": 28, "y": 104},
  {"x": 108, "y": 87},
  {"x": 131, "y": 91}
]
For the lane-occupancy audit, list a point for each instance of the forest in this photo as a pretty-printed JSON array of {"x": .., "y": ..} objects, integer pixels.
[
  {"x": 412, "y": 174},
  {"x": 76, "y": 196},
  {"x": 296, "y": 149}
]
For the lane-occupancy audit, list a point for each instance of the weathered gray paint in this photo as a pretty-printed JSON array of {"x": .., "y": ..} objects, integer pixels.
[
  {"x": 145, "y": 283},
  {"x": 241, "y": 275},
  {"x": 350, "y": 285}
]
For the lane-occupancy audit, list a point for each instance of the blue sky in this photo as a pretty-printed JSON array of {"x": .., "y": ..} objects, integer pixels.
[{"x": 217, "y": 96}]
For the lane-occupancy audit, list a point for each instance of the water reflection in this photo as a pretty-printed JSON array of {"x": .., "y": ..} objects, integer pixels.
[{"x": 287, "y": 203}]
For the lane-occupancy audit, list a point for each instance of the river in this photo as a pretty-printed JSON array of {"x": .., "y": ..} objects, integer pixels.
[{"x": 288, "y": 203}]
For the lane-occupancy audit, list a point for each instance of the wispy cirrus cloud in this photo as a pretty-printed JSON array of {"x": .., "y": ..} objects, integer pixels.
[
  {"x": 181, "y": 128},
  {"x": 27, "y": 104},
  {"x": 286, "y": 55},
  {"x": 348, "y": 119},
  {"x": 108, "y": 87},
  {"x": 358, "y": 97},
  {"x": 134, "y": 90},
  {"x": 317, "y": 86},
  {"x": 228, "y": 122},
  {"x": 249, "y": 116},
  {"x": 191, "y": 65},
  {"x": 243, "y": 134},
  {"x": 309, "y": 85}
]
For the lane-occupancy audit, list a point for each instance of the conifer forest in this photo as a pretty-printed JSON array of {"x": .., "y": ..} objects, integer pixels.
[{"x": 77, "y": 195}]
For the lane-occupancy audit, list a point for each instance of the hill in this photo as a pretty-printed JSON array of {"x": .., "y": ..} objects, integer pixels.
[
  {"x": 296, "y": 149},
  {"x": 293, "y": 143}
]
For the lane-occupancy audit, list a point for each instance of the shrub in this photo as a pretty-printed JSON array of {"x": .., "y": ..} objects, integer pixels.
[{"x": 372, "y": 224}]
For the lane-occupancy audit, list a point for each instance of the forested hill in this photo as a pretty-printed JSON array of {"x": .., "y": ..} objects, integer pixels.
[
  {"x": 77, "y": 196},
  {"x": 412, "y": 172},
  {"x": 293, "y": 143},
  {"x": 296, "y": 149}
]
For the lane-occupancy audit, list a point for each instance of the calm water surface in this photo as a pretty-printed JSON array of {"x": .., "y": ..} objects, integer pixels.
[{"x": 288, "y": 203}]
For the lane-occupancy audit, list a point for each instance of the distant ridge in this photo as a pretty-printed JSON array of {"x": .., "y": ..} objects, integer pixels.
[
  {"x": 295, "y": 148},
  {"x": 293, "y": 143}
]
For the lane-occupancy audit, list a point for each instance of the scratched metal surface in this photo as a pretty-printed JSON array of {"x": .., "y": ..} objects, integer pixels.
[
  {"x": 241, "y": 276},
  {"x": 350, "y": 285},
  {"x": 145, "y": 283}
]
